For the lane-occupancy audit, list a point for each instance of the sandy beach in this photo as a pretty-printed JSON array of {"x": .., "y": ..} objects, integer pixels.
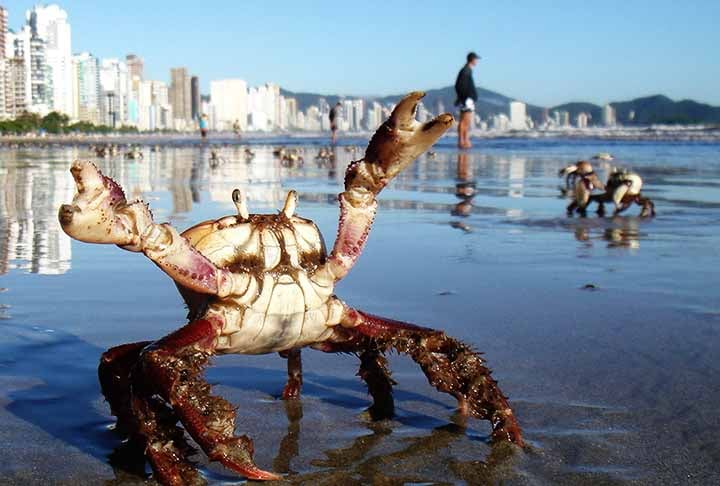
[{"x": 603, "y": 332}]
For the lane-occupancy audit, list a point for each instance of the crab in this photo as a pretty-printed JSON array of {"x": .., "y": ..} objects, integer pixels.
[
  {"x": 263, "y": 283},
  {"x": 582, "y": 179},
  {"x": 623, "y": 189}
]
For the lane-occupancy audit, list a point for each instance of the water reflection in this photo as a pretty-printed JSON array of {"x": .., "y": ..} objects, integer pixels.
[
  {"x": 622, "y": 232},
  {"x": 468, "y": 186},
  {"x": 30, "y": 236}
]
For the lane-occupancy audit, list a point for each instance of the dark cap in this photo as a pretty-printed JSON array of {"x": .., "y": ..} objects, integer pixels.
[{"x": 472, "y": 56}]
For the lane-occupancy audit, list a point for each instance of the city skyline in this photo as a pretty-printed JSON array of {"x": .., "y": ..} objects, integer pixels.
[{"x": 541, "y": 55}]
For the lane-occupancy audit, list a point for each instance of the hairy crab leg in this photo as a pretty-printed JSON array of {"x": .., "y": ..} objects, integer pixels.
[
  {"x": 294, "y": 369},
  {"x": 99, "y": 213},
  {"x": 393, "y": 147},
  {"x": 648, "y": 207},
  {"x": 144, "y": 419},
  {"x": 373, "y": 370},
  {"x": 450, "y": 366},
  {"x": 173, "y": 367}
]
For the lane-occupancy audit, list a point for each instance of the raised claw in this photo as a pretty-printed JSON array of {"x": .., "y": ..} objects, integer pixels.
[
  {"x": 94, "y": 215},
  {"x": 395, "y": 145}
]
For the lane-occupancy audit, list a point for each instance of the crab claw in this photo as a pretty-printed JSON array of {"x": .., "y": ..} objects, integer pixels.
[
  {"x": 99, "y": 212},
  {"x": 395, "y": 145}
]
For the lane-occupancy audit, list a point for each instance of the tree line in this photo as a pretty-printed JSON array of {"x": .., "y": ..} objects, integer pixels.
[{"x": 55, "y": 123}]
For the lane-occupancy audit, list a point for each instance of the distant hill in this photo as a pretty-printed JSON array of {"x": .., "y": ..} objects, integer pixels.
[
  {"x": 436, "y": 100},
  {"x": 661, "y": 109},
  {"x": 648, "y": 110}
]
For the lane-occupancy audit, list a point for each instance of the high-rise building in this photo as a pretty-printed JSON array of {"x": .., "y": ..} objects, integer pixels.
[
  {"x": 114, "y": 92},
  {"x": 15, "y": 83},
  {"x": 50, "y": 23},
  {"x": 86, "y": 88},
  {"x": 30, "y": 49},
  {"x": 135, "y": 66},
  {"x": 291, "y": 112},
  {"x": 3, "y": 31},
  {"x": 609, "y": 119},
  {"x": 582, "y": 120},
  {"x": 195, "y": 97},
  {"x": 180, "y": 98},
  {"x": 229, "y": 99},
  {"x": 374, "y": 116},
  {"x": 518, "y": 116},
  {"x": 154, "y": 108}
]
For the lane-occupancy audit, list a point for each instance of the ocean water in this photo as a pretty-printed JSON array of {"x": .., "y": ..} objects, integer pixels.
[{"x": 603, "y": 332}]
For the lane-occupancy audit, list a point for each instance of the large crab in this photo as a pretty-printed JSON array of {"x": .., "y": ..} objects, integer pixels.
[{"x": 263, "y": 283}]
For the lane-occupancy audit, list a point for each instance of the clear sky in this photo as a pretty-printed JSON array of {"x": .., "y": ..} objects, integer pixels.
[{"x": 544, "y": 53}]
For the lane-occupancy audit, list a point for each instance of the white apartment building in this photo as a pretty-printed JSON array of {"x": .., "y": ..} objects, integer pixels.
[
  {"x": 50, "y": 23},
  {"x": 229, "y": 99}
]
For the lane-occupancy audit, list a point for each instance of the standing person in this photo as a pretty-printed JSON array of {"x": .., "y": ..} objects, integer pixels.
[
  {"x": 237, "y": 129},
  {"x": 334, "y": 115},
  {"x": 466, "y": 98},
  {"x": 203, "y": 122}
]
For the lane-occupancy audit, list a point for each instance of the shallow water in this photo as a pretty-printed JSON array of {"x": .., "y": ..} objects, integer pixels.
[{"x": 616, "y": 384}]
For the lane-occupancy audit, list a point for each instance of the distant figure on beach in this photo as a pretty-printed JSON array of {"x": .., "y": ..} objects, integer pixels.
[
  {"x": 236, "y": 128},
  {"x": 203, "y": 126},
  {"x": 466, "y": 98},
  {"x": 333, "y": 115}
]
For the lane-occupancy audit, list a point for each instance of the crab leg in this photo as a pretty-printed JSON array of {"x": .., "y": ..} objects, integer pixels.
[
  {"x": 145, "y": 419},
  {"x": 450, "y": 366},
  {"x": 100, "y": 213},
  {"x": 395, "y": 145},
  {"x": 294, "y": 366},
  {"x": 173, "y": 367}
]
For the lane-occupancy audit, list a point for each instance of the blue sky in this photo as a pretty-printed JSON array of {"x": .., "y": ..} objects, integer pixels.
[{"x": 542, "y": 52}]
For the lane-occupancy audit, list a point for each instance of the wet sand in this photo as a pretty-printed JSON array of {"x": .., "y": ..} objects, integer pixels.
[{"x": 616, "y": 384}]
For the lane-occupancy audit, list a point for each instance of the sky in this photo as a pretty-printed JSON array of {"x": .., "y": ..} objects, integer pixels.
[{"x": 541, "y": 52}]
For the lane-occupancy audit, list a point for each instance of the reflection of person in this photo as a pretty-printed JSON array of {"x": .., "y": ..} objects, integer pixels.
[
  {"x": 464, "y": 188},
  {"x": 466, "y": 99},
  {"x": 203, "y": 122},
  {"x": 333, "y": 115}
]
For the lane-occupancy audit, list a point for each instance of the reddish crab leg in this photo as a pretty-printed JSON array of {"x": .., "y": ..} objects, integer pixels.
[
  {"x": 144, "y": 419},
  {"x": 294, "y": 367},
  {"x": 450, "y": 366},
  {"x": 173, "y": 367}
]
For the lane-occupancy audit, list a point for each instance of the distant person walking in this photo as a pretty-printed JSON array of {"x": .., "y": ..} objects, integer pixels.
[
  {"x": 334, "y": 115},
  {"x": 466, "y": 99},
  {"x": 203, "y": 122}
]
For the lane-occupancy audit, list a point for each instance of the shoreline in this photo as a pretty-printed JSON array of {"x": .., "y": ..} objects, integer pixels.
[{"x": 701, "y": 134}]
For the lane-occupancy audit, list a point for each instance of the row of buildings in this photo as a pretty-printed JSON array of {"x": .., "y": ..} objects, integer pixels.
[
  {"x": 519, "y": 119},
  {"x": 39, "y": 73}
]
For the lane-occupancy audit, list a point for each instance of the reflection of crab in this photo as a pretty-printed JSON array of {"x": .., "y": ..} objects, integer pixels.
[{"x": 259, "y": 283}]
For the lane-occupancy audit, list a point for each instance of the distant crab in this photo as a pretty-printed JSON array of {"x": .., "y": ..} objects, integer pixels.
[
  {"x": 581, "y": 178},
  {"x": 622, "y": 190},
  {"x": 263, "y": 283}
]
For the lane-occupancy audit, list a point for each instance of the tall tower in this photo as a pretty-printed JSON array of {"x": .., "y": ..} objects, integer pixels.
[
  {"x": 195, "y": 97},
  {"x": 50, "y": 23},
  {"x": 3, "y": 31},
  {"x": 135, "y": 66},
  {"x": 180, "y": 95}
]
